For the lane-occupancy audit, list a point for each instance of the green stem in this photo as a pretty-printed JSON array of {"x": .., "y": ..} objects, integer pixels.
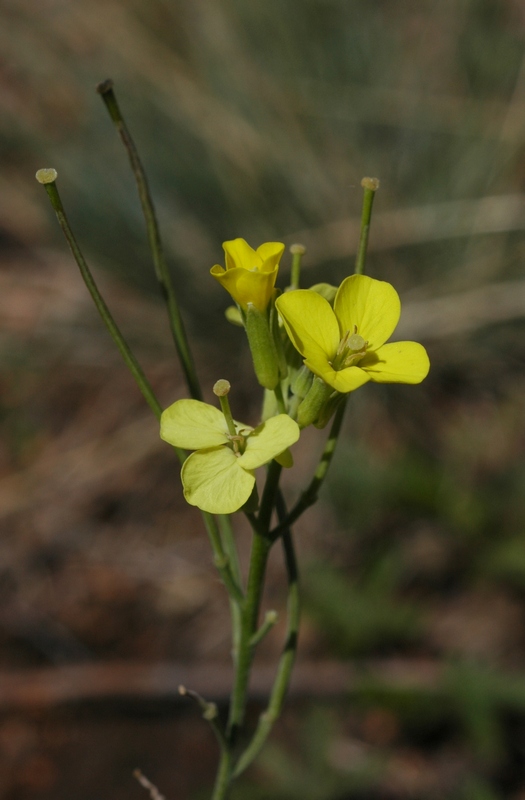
[
  {"x": 222, "y": 781},
  {"x": 220, "y": 557},
  {"x": 297, "y": 251},
  {"x": 105, "y": 89},
  {"x": 284, "y": 670},
  {"x": 370, "y": 186},
  {"x": 279, "y": 397},
  {"x": 230, "y": 548},
  {"x": 250, "y": 611},
  {"x": 270, "y": 618},
  {"x": 209, "y": 712},
  {"x": 310, "y": 494},
  {"x": 114, "y": 331}
]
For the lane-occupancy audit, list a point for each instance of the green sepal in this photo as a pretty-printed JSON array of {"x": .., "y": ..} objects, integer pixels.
[
  {"x": 278, "y": 338},
  {"x": 312, "y": 406},
  {"x": 328, "y": 410},
  {"x": 262, "y": 347},
  {"x": 326, "y": 290},
  {"x": 302, "y": 381},
  {"x": 270, "y": 407}
]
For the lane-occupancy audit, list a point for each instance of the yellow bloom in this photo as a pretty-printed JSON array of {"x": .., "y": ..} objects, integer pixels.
[
  {"x": 250, "y": 274},
  {"x": 346, "y": 346},
  {"x": 219, "y": 477}
]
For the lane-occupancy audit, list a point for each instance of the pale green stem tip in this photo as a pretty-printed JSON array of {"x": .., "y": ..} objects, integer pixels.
[
  {"x": 370, "y": 183},
  {"x": 46, "y": 175},
  {"x": 221, "y": 388}
]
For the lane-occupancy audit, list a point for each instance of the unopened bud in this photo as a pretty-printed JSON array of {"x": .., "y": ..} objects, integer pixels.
[
  {"x": 302, "y": 381},
  {"x": 312, "y": 405},
  {"x": 262, "y": 347}
]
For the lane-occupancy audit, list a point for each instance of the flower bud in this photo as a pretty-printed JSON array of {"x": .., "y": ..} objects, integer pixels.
[
  {"x": 314, "y": 402},
  {"x": 302, "y": 382},
  {"x": 262, "y": 347}
]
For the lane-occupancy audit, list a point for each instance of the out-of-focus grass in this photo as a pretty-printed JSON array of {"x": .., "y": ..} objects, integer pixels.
[{"x": 260, "y": 119}]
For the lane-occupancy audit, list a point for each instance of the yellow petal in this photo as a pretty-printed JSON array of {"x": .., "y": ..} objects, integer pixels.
[
  {"x": 372, "y": 305},
  {"x": 193, "y": 425},
  {"x": 345, "y": 380},
  {"x": 247, "y": 286},
  {"x": 214, "y": 481},
  {"x": 310, "y": 323},
  {"x": 285, "y": 459},
  {"x": 397, "y": 362},
  {"x": 238, "y": 253},
  {"x": 270, "y": 253},
  {"x": 268, "y": 440}
]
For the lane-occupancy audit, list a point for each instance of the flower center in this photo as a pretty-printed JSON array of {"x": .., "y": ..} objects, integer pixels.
[
  {"x": 238, "y": 443},
  {"x": 351, "y": 350}
]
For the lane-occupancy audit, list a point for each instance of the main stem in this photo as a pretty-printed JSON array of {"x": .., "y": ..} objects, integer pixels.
[
  {"x": 261, "y": 546},
  {"x": 286, "y": 662}
]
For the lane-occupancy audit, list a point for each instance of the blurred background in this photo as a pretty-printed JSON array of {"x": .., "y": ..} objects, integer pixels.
[{"x": 259, "y": 119}]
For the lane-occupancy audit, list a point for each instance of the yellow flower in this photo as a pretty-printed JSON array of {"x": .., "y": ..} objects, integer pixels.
[
  {"x": 346, "y": 346},
  {"x": 250, "y": 274},
  {"x": 219, "y": 477}
]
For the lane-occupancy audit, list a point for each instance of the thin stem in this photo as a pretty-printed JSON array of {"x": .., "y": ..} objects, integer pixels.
[
  {"x": 230, "y": 548},
  {"x": 220, "y": 557},
  {"x": 114, "y": 331},
  {"x": 209, "y": 712},
  {"x": 250, "y": 612},
  {"x": 278, "y": 391},
  {"x": 370, "y": 186},
  {"x": 286, "y": 662},
  {"x": 269, "y": 496},
  {"x": 222, "y": 781},
  {"x": 270, "y": 618},
  {"x": 105, "y": 89},
  {"x": 310, "y": 494},
  {"x": 297, "y": 251},
  {"x": 225, "y": 406}
]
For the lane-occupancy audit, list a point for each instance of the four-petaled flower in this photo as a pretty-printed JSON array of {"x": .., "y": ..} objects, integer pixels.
[
  {"x": 250, "y": 274},
  {"x": 219, "y": 477},
  {"x": 346, "y": 346}
]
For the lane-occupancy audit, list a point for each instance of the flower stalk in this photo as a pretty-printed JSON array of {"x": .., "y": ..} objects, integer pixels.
[
  {"x": 48, "y": 178},
  {"x": 107, "y": 93},
  {"x": 370, "y": 187}
]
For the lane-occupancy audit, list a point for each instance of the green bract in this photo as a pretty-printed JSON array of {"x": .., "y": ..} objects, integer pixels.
[{"x": 219, "y": 477}]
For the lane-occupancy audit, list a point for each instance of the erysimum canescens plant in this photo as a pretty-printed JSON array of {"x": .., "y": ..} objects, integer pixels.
[
  {"x": 345, "y": 346},
  {"x": 219, "y": 477},
  {"x": 250, "y": 274}
]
